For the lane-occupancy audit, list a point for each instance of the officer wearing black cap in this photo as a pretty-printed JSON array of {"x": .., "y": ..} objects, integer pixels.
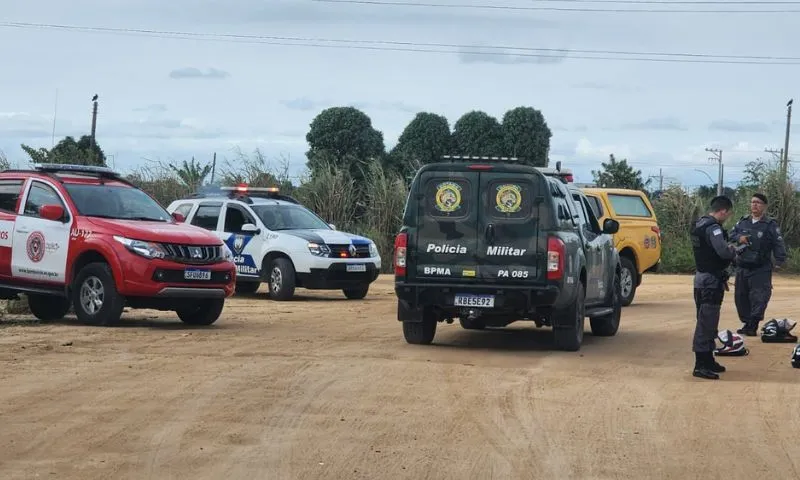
[
  {"x": 712, "y": 256},
  {"x": 761, "y": 238}
]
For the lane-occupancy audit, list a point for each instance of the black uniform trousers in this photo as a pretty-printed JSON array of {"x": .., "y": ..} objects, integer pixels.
[
  {"x": 708, "y": 302},
  {"x": 752, "y": 294}
]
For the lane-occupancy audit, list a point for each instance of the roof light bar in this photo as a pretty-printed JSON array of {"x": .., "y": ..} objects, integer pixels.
[{"x": 481, "y": 157}]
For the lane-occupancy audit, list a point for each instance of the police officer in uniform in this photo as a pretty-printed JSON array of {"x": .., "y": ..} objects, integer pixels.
[
  {"x": 712, "y": 256},
  {"x": 760, "y": 237}
]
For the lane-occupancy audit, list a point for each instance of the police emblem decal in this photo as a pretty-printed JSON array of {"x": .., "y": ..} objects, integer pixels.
[
  {"x": 508, "y": 198},
  {"x": 238, "y": 244},
  {"x": 448, "y": 197}
]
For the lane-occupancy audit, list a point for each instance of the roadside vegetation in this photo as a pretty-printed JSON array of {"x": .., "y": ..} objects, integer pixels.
[{"x": 358, "y": 185}]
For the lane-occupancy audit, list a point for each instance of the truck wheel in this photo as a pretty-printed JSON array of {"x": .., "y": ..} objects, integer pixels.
[
  {"x": 628, "y": 280},
  {"x": 95, "y": 296},
  {"x": 419, "y": 331},
  {"x": 247, "y": 288},
  {"x": 356, "y": 293},
  {"x": 281, "y": 279},
  {"x": 203, "y": 312},
  {"x": 568, "y": 324},
  {"x": 48, "y": 308},
  {"x": 607, "y": 325}
]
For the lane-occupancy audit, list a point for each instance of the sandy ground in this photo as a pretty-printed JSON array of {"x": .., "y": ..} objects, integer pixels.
[{"x": 281, "y": 391}]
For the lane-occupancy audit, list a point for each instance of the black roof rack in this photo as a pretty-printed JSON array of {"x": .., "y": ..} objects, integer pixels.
[
  {"x": 244, "y": 194},
  {"x": 51, "y": 169}
]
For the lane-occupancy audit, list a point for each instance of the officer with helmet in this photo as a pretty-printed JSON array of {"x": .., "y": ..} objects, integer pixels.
[
  {"x": 760, "y": 238},
  {"x": 712, "y": 256}
]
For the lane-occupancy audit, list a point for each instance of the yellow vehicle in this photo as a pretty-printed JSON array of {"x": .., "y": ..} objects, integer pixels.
[{"x": 639, "y": 237}]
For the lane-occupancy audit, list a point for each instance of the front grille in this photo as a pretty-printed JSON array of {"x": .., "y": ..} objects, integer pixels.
[
  {"x": 362, "y": 251},
  {"x": 193, "y": 254}
]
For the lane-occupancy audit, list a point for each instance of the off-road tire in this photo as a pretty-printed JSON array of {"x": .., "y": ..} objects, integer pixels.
[
  {"x": 420, "y": 331},
  {"x": 48, "y": 308},
  {"x": 203, "y": 312},
  {"x": 95, "y": 280},
  {"x": 282, "y": 279},
  {"x": 247, "y": 288},
  {"x": 568, "y": 324},
  {"x": 356, "y": 293},
  {"x": 629, "y": 274},
  {"x": 607, "y": 325}
]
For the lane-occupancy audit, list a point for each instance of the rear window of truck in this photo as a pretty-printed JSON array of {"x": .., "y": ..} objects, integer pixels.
[{"x": 629, "y": 205}]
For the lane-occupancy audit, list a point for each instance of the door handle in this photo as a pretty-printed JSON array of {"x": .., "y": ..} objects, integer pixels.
[{"x": 489, "y": 233}]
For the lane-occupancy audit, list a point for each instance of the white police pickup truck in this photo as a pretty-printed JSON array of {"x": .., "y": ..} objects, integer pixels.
[{"x": 277, "y": 240}]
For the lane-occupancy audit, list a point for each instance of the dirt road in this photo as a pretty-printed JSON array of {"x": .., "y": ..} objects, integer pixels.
[{"x": 281, "y": 391}]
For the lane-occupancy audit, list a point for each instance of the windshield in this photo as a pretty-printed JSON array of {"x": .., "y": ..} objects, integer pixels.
[
  {"x": 288, "y": 217},
  {"x": 115, "y": 201}
]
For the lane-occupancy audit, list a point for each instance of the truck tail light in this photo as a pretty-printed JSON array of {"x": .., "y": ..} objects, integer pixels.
[
  {"x": 555, "y": 258},
  {"x": 400, "y": 249},
  {"x": 656, "y": 230}
]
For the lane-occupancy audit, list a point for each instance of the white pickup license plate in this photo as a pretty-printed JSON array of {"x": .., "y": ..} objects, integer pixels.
[
  {"x": 480, "y": 301},
  {"x": 356, "y": 267},
  {"x": 196, "y": 274}
]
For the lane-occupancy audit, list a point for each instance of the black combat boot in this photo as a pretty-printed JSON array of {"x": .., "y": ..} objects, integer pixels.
[
  {"x": 749, "y": 329},
  {"x": 702, "y": 368},
  {"x": 713, "y": 365}
]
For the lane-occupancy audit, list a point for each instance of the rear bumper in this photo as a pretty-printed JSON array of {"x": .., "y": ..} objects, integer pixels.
[
  {"x": 510, "y": 299},
  {"x": 337, "y": 277}
]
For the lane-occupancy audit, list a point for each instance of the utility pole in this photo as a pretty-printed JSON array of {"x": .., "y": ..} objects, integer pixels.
[
  {"x": 718, "y": 157},
  {"x": 777, "y": 153},
  {"x": 94, "y": 125},
  {"x": 213, "y": 167},
  {"x": 660, "y": 180},
  {"x": 785, "y": 164}
]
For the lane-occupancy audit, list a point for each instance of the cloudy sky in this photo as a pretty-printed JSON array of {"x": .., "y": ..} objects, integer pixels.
[{"x": 246, "y": 83}]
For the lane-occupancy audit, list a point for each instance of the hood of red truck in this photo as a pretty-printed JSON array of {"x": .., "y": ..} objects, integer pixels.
[{"x": 162, "y": 232}]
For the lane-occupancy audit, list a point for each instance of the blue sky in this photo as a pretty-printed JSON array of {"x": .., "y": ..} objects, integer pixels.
[{"x": 169, "y": 99}]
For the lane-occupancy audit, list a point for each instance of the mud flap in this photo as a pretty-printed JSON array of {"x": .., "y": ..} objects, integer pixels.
[{"x": 406, "y": 313}]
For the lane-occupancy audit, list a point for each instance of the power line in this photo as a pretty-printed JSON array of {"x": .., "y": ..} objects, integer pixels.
[
  {"x": 421, "y": 47},
  {"x": 399, "y": 3}
]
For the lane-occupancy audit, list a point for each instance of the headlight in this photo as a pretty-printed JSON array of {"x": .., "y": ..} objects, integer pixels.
[
  {"x": 227, "y": 255},
  {"x": 318, "y": 250},
  {"x": 373, "y": 250},
  {"x": 139, "y": 247}
]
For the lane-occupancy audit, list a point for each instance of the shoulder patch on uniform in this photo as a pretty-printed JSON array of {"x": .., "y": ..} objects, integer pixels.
[{"x": 717, "y": 231}]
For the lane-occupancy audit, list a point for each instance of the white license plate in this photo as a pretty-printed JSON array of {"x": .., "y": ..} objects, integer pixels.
[
  {"x": 356, "y": 267},
  {"x": 481, "y": 301},
  {"x": 194, "y": 274}
]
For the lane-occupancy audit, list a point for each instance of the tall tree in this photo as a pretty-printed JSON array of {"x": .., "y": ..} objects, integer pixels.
[
  {"x": 344, "y": 136},
  {"x": 618, "y": 174},
  {"x": 478, "y": 133},
  {"x": 69, "y": 151},
  {"x": 526, "y": 135},
  {"x": 424, "y": 140}
]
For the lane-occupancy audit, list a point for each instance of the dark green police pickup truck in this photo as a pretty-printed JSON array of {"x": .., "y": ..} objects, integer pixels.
[{"x": 491, "y": 242}]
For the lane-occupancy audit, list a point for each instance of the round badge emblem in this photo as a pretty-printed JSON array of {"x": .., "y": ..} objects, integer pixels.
[
  {"x": 508, "y": 199},
  {"x": 35, "y": 246},
  {"x": 448, "y": 197}
]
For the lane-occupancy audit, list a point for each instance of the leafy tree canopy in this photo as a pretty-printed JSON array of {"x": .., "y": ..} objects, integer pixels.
[
  {"x": 618, "y": 174},
  {"x": 69, "y": 151},
  {"x": 526, "y": 135}
]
